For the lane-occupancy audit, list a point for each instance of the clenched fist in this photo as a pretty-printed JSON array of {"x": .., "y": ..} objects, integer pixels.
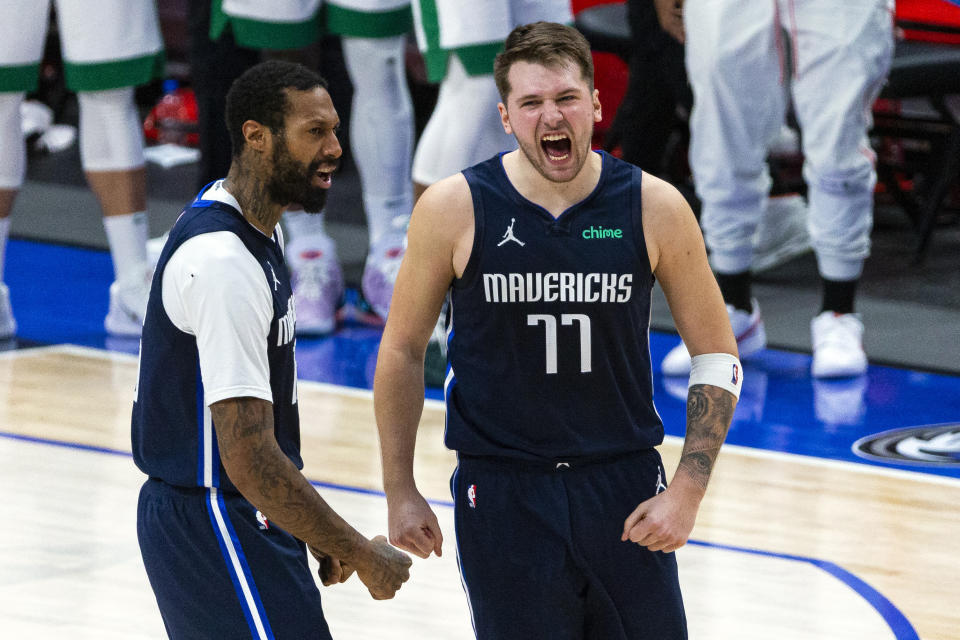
[{"x": 384, "y": 569}]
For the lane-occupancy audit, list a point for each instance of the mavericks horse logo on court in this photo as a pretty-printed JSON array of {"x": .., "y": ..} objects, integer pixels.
[{"x": 936, "y": 445}]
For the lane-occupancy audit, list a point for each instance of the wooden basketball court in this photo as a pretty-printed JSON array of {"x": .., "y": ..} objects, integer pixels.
[{"x": 785, "y": 547}]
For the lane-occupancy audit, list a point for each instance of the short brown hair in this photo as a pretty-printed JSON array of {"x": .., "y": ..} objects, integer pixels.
[{"x": 547, "y": 43}]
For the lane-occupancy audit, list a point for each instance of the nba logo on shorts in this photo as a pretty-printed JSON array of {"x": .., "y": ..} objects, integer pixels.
[
  {"x": 736, "y": 375},
  {"x": 262, "y": 519},
  {"x": 472, "y": 496}
]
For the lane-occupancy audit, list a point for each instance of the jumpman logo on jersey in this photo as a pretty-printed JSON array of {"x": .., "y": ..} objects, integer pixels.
[
  {"x": 660, "y": 485},
  {"x": 508, "y": 235},
  {"x": 276, "y": 283}
]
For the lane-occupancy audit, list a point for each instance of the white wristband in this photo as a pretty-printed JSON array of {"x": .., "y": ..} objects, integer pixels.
[{"x": 718, "y": 369}]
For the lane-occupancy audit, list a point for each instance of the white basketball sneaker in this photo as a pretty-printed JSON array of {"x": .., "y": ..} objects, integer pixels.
[
  {"x": 128, "y": 302},
  {"x": 747, "y": 327},
  {"x": 8, "y": 326},
  {"x": 317, "y": 282},
  {"x": 837, "y": 345},
  {"x": 382, "y": 266}
]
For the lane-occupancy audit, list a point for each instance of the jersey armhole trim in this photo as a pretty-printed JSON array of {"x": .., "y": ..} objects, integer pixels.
[
  {"x": 636, "y": 217},
  {"x": 472, "y": 270}
]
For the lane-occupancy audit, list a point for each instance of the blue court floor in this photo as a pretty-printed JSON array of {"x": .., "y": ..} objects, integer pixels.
[{"x": 891, "y": 417}]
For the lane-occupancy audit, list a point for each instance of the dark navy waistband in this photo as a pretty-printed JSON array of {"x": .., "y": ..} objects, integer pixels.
[
  {"x": 162, "y": 486},
  {"x": 553, "y": 465}
]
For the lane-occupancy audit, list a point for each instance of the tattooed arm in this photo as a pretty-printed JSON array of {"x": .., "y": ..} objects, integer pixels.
[
  {"x": 678, "y": 258},
  {"x": 664, "y": 522},
  {"x": 709, "y": 411},
  {"x": 272, "y": 483}
]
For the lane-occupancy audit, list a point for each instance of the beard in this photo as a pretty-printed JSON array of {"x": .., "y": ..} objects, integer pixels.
[{"x": 292, "y": 181}]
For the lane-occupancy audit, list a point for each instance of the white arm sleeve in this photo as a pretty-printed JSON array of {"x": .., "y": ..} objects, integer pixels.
[{"x": 214, "y": 289}]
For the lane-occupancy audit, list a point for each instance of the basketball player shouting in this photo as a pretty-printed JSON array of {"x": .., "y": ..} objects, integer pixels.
[{"x": 565, "y": 526}]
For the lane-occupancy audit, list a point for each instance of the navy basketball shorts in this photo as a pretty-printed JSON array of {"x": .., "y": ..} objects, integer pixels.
[
  {"x": 220, "y": 572},
  {"x": 541, "y": 557}
]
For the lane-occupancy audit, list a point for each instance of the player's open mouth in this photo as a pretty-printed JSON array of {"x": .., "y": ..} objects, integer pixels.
[
  {"x": 556, "y": 146},
  {"x": 326, "y": 177}
]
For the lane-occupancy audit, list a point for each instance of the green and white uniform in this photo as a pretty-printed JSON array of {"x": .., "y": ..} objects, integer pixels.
[
  {"x": 291, "y": 24},
  {"x": 459, "y": 41},
  {"x": 475, "y": 31},
  {"x": 106, "y": 44}
]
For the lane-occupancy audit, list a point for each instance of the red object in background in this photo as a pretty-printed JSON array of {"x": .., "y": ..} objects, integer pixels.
[
  {"x": 576, "y": 6},
  {"x": 929, "y": 20},
  {"x": 174, "y": 118},
  {"x": 610, "y": 77}
]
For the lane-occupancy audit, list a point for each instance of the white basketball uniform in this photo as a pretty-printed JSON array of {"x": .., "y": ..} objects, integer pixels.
[{"x": 735, "y": 56}]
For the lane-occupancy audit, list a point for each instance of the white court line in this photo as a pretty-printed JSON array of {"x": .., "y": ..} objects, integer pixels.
[
  {"x": 32, "y": 351},
  {"x": 865, "y": 468}
]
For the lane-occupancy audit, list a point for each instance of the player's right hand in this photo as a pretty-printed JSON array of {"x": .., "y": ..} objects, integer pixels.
[
  {"x": 385, "y": 570},
  {"x": 332, "y": 570},
  {"x": 414, "y": 526}
]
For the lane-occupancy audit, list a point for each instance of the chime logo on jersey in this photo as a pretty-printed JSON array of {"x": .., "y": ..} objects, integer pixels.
[
  {"x": 591, "y": 233},
  {"x": 262, "y": 519},
  {"x": 472, "y": 496}
]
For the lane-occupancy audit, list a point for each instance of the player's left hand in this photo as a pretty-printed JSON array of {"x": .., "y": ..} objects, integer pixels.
[
  {"x": 332, "y": 570},
  {"x": 662, "y": 523}
]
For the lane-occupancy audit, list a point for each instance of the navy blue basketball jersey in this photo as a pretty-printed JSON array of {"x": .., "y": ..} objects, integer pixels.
[
  {"x": 549, "y": 348},
  {"x": 172, "y": 431}
]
